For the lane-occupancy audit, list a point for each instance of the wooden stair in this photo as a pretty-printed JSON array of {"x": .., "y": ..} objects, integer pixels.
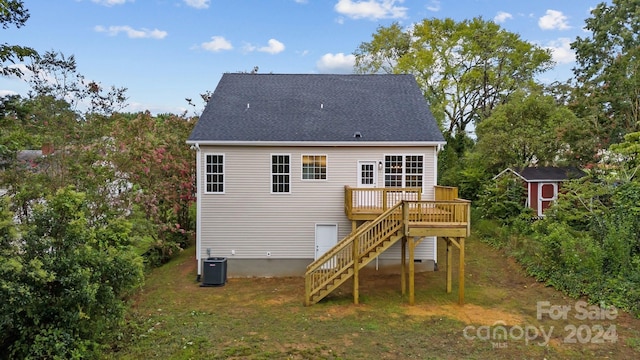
[{"x": 360, "y": 247}]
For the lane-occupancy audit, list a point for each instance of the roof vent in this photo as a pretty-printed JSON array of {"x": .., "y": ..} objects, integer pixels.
[{"x": 357, "y": 135}]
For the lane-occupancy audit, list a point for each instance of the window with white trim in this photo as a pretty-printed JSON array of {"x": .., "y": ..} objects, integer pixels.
[
  {"x": 403, "y": 170},
  {"x": 280, "y": 174},
  {"x": 314, "y": 167},
  {"x": 414, "y": 170},
  {"x": 214, "y": 173}
]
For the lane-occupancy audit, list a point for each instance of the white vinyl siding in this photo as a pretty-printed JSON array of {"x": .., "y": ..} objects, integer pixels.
[{"x": 250, "y": 220}]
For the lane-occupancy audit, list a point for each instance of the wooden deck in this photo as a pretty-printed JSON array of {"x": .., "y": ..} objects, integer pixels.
[
  {"x": 447, "y": 215},
  {"x": 389, "y": 215}
]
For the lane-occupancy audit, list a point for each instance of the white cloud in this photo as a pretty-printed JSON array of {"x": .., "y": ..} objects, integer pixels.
[
  {"x": 248, "y": 48},
  {"x": 502, "y": 16},
  {"x": 4, "y": 93},
  {"x": 553, "y": 20},
  {"x": 131, "y": 32},
  {"x": 217, "y": 43},
  {"x": 26, "y": 73},
  {"x": 336, "y": 63},
  {"x": 301, "y": 1},
  {"x": 561, "y": 51},
  {"x": 111, "y": 2},
  {"x": 371, "y": 9},
  {"x": 274, "y": 47},
  {"x": 434, "y": 6},
  {"x": 198, "y": 4},
  {"x": 154, "y": 109}
]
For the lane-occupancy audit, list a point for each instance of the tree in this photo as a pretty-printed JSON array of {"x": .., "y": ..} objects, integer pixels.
[
  {"x": 62, "y": 286},
  {"x": 465, "y": 68},
  {"x": 152, "y": 153},
  {"x": 69, "y": 113},
  {"x": 625, "y": 156},
  {"x": 528, "y": 129},
  {"x": 12, "y": 12},
  {"x": 608, "y": 69},
  {"x": 56, "y": 75}
]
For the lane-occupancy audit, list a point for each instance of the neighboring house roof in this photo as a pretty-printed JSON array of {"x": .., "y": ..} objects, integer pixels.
[
  {"x": 548, "y": 173},
  {"x": 316, "y": 108}
]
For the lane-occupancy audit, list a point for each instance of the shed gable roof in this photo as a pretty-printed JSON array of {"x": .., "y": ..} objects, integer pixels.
[
  {"x": 545, "y": 173},
  {"x": 551, "y": 173},
  {"x": 316, "y": 108}
]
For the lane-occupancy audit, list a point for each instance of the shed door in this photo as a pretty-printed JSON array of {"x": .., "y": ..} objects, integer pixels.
[
  {"x": 547, "y": 193},
  {"x": 326, "y": 238}
]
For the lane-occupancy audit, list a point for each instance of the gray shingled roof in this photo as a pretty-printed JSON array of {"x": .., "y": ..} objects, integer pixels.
[
  {"x": 551, "y": 173},
  {"x": 314, "y": 107}
]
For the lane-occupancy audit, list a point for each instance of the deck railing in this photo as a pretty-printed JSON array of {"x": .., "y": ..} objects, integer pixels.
[
  {"x": 445, "y": 192},
  {"x": 443, "y": 213},
  {"x": 376, "y": 200}
]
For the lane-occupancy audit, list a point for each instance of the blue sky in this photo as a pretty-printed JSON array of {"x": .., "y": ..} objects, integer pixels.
[{"x": 164, "y": 51}]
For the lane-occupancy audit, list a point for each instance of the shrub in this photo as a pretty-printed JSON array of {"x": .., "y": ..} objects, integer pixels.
[{"x": 62, "y": 287}]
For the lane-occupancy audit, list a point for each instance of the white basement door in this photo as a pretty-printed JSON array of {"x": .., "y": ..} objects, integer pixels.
[{"x": 326, "y": 238}]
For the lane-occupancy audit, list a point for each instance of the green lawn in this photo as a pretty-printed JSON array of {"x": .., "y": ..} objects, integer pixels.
[{"x": 264, "y": 318}]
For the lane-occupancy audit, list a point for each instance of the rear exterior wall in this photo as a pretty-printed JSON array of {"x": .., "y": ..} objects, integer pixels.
[{"x": 249, "y": 222}]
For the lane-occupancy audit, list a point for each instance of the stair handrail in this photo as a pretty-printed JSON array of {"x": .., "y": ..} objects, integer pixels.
[
  {"x": 322, "y": 260},
  {"x": 345, "y": 259}
]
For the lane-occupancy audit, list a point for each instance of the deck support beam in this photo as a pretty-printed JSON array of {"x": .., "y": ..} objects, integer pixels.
[
  {"x": 459, "y": 243},
  {"x": 412, "y": 271},
  {"x": 449, "y": 265},
  {"x": 403, "y": 266},
  {"x": 356, "y": 275},
  {"x": 413, "y": 243},
  {"x": 461, "y": 273}
]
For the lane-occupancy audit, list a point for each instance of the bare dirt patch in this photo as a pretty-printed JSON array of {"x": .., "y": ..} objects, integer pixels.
[{"x": 468, "y": 314}]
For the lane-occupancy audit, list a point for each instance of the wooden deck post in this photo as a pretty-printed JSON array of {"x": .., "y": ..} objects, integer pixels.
[
  {"x": 307, "y": 292},
  {"x": 403, "y": 265},
  {"x": 449, "y": 265},
  {"x": 461, "y": 273},
  {"x": 356, "y": 280},
  {"x": 412, "y": 271}
]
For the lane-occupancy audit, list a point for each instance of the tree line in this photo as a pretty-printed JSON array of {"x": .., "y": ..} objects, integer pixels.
[
  {"x": 481, "y": 83},
  {"x": 110, "y": 194}
]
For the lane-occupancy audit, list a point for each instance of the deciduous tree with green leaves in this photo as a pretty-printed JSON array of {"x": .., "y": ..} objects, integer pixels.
[
  {"x": 12, "y": 12},
  {"x": 528, "y": 128},
  {"x": 608, "y": 69},
  {"x": 152, "y": 153},
  {"x": 465, "y": 68},
  {"x": 63, "y": 284}
]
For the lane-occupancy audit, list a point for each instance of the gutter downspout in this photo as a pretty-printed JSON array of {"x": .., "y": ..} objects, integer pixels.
[{"x": 198, "y": 209}]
